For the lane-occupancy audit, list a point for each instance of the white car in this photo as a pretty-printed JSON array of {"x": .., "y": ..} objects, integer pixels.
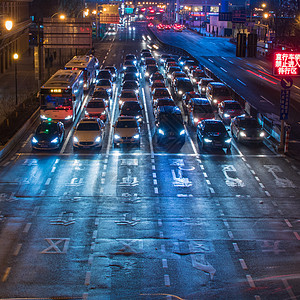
[
  {"x": 127, "y": 95},
  {"x": 89, "y": 133},
  {"x": 126, "y": 131},
  {"x": 96, "y": 108}
]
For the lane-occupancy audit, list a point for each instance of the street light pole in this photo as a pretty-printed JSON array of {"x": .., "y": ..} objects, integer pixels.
[{"x": 16, "y": 56}]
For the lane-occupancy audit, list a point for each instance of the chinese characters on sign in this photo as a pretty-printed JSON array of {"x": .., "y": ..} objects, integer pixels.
[
  {"x": 284, "y": 104},
  {"x": 286, "y": 64}
]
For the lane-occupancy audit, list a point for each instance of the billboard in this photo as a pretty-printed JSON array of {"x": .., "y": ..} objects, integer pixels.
[
  {"x": 109, "y": 14},
  {"x": 286, "y": 64},
  {"x": 67, "y": 33}
]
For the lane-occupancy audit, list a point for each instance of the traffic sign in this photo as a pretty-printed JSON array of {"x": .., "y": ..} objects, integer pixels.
[
  {"x": 284, "y": 104},
  {"x": 287, "y": 82},
  {"x": 286, "y": 64}
]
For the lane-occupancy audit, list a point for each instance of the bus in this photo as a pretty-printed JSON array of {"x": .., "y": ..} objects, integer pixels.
[
  {"x": 62, "y": 95},
  {"x": 89, "y": 64}
]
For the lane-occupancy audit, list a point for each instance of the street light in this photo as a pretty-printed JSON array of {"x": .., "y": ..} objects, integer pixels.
[
  {"x": 16, "y": 57},
  {"x": 61, "y": 16},
  {"x": 8, "y": 25}
]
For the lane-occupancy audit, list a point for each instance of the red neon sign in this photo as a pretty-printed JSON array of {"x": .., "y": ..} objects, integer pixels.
[{"x": 286, "y": 63}]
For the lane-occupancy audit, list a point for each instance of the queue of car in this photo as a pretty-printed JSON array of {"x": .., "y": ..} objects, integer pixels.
[{"x": 183, "y": 74}]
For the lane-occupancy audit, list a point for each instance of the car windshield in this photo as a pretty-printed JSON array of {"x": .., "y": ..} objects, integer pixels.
[
  {"x": 103, "y": 82},
  {"x": 203, "y": 109},
  {"x": 111, "y": 69},
  {"x": 232, "y": 106},
  {"x": 129, "y": 94},
  {"x": 130, "y": 76},
  {"x": 171, "y": 120},
  {"x": 130, "y": 85},
  {"x": 131, "y": 69},
  {"x": 95, "y": 104},
  {"x": 222, "y": 92},
  {"x": 146, "y": 54},
  {"x": 100, "y": 94},
  {"x": 47, "y": 128},
  {"x": 165, "y": 102},
  {"x": 130, "y": 57},
  {"x": 126, "y": 124},
  {"x": 164, "y": 93},
  {"x": 131, "y": 105},
  {"x": 157, "y": 77},
  {"x": 215, "y": 127},
  {"x": 89, "y": 126},
  {"x": 186, "y": 85},
  {"x": 177, "y": 75},
  {"x": 158, "y": 84},
  {"x": 174, "y": 69},
  {"x": 152, "y": 69},
  {"x": 249, "y": 123}
]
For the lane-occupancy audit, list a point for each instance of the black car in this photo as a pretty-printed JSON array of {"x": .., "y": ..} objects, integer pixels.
[
  {"x": 169, "y": 125},
  {"x": 104, "y": 74},
  {"x": 150, "y": 70},
  {"x": 131, "y": 69},
  {"x": 182, "y": 85},
  {"x": 48, "y": 136},
  {"x": 113, "y": 71},
  {"x": 246, "y": 129},
  {"x": 130, "y": 76},
  {"x": 102, "y": 94},
  {"x": 155, "y": 76},
  {"x": 130, "y": 85},
  {"x": 212, "y": 134},
  {"x": 132, "y": 108}
]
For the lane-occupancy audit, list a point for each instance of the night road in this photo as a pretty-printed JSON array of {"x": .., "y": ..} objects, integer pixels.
[{"x": 152, "y": 222}]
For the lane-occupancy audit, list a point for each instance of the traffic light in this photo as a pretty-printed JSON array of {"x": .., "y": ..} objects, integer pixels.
[
  {"x": 241, "y": 45},
  {"x": 252, "y": 44}
]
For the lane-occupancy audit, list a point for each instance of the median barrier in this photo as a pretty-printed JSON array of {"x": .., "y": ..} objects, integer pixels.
[{"x": 4, "y": 150}]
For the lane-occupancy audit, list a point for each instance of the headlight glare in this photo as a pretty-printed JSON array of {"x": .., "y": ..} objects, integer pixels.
[
  {"x": 116, "y": 137},
  {"x": 55, "y": 141},
  {"x": 206, "y": 140},
  {"x": 75, "y": 139},
  {"x": 34, "y": 140},
  {"x": 160, "y": 131},
  {"x": 182, "y": 132},
  {"x": 228, "y": 141}
]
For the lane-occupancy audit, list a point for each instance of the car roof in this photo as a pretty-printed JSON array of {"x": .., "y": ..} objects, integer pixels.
[
  {"x": 230, "y": 102},
  {"x": 218, "y": 84},
  {"x": 88, "y": 120},
  {"x": 126, "y": 118},
  {"x": 212, "y": 121},
  {"x": 200, "y": 101}
]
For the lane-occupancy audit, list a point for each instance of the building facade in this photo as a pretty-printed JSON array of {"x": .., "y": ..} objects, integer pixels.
[{"x": 15, "y": 40}]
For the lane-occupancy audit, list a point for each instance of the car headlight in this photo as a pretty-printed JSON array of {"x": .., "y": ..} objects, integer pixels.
[
  {"x": 206, "y": 140},
  {"x": 136, "y": 136},
  {"x": 55, "y": 141},
  {"x": 98, "y": 139},
  {"x": 215, "y": 101},
  {"x": 203, "y": 89},
  {"x": 120, "y": 102},
  {"x": 194, "y": 80},
  {"x": 262, "y": 134},
  {"x": 84, "y": 85},
  {"x": 226, "y": 115},
  {"x": 75, "y": 139},
  {"x": 124, "y": 68},
  {"x": 43, "y": 117},
  {"x": 68, "y": 117},
  {"x": 228, "y": 141},
  {"x": 116, "y": 137},
  {"x": 135, "y": 62},
  {"x": 180, "y": 92},
  {"x": 185, "y": 67},
  {"x": 181, "y": 63},
  {"x": 160, "y": 131},
  {"x": 147, "y": 74},
  {"x": 196, "y": 120},
  {"x": 103, "y": 113},
  {"x": 34, "y": 140},
  {"x": 182, "y": 132},
  {"x": 137, "y": 74},
  {"x": 243, "y": 134},
  {"x": 169, "y": 75}
]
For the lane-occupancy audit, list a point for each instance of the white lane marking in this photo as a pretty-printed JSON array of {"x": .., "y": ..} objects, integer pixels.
[
  {"x": 153, "y": 167},
  {"x": 261, "y": 185},
  {"x": 243, "y": 264},
  {"x": 223, "y": 70},
  {"x": 164, "y": 263},
  {"x": 250, "y": 281},
  {"x": 267, "y": 193},
  {"x": 237, "y": 149},
  {"x": 230, "y": 234},
  {"x": 163, "y": 248},
  {"x": 241, "y": 82},
  {"x": 223, "y": 57},
  {"x": 211, "y": 190},
  {"x": 265, "y": 99},
  {"x": 204, "y": 174},
  {"x": 48, "y": 181},
  {"x": 230, "y": 61},
  {"x": 236, "y": 247},
  {"x": 297, "y": 87},
  {"x": 159, "y": 222},
  {"x": 288, "y": 288},
  {"x": 211, "y": 60},
  {"x": 156, "y": 190},
  {"x": 155, "y": 181},
  {"x": 28, "y": 139},
  {"x": 87, "y": 278},
  {"x": 110, "y": 132},
  {"x": 297, "y": 235},
  {"x": 167, "y": 280},
  {"x": 147, "y": 121},
  {"x": 27, "y": 227},
  {"x": 288, "y": 223},
  {"x": 53, "y": 169},
  {"x": 154, "y": 175},
  {"x": 208, "y": 182},
  {"x": 17, "y": 250},
  {"x": 5, "y": 276}
]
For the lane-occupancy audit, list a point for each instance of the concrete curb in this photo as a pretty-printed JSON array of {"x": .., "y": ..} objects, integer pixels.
[{"x": 4, "y": 150}]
